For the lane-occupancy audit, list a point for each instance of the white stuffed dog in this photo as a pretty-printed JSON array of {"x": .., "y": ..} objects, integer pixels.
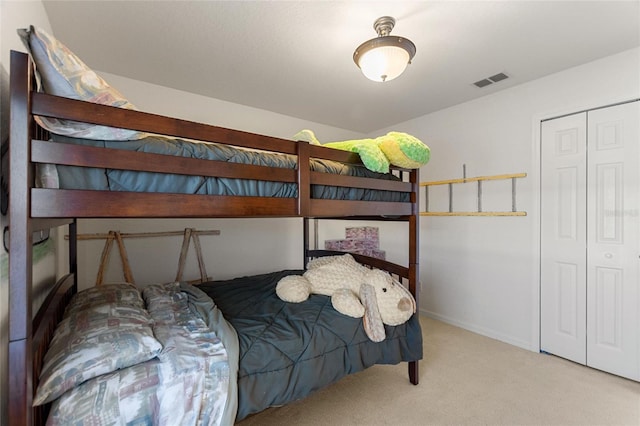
[{"x": 355, "y": 291}]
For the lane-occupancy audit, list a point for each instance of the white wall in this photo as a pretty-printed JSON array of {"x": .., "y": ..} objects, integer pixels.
[
  {"x": 481, "y": 273},
  {"x": 176, "y": 103}
]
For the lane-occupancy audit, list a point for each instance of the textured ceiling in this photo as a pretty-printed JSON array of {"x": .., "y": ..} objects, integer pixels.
[{"x": 295, "y": 57}]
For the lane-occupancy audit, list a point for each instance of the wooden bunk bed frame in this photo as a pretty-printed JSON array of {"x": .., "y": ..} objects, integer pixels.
[{"x": 32, "y": 209}]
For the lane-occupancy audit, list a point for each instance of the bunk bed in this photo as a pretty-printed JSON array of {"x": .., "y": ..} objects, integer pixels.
[{"x": 33, "y": 208}]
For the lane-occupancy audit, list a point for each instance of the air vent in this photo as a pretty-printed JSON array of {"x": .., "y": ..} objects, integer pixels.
[
  {"x": 483, "y": 83},
  {"x": 498, "y": 77},
  {"x": 490, "y": 80}
]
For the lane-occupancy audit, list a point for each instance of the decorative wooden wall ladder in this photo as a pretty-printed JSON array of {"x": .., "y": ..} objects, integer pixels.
[
  {"x": 479, "y": 180},
  {"x": 189, "y": 234}
]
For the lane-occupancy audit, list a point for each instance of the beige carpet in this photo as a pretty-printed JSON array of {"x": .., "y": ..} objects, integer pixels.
[{"x": 468, "y": 379}]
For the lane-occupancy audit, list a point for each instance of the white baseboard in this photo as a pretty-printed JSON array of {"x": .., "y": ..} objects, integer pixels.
[{"x": 480, "y": 330}]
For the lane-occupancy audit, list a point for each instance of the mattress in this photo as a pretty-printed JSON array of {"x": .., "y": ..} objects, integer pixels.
[
  {"x": 289, "y": 350},
  {"x": 70, "y": 177}
]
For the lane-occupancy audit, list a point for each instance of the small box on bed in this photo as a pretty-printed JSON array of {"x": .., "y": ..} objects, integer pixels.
[
  {"x": 361, "y": 240},
  {"x": 363, "y": 233}
]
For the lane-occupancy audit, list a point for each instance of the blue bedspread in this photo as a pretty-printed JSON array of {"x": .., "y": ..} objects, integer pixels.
[
  {"x": 124, "y": 180},
  {"x": 289, "y": 350}
]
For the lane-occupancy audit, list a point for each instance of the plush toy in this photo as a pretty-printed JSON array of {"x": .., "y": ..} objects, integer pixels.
[
  {"x": 356, "y": 291},
  {"x": 399, "y": 149},
  {"x": 404, "y": 150}
]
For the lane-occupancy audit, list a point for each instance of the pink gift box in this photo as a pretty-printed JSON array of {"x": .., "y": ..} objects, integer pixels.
[
  {"x": 360, "y": 239},
  {"x": 348, "y": 245},
  {"x": 365, "y": 244},
  {"x": 332, "y": 244},
  {"x": 363, "y": 233}
]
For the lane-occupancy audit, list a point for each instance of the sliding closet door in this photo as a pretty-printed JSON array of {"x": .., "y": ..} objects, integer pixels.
[
  {"x": 613, "y": 248},
  {"x": 563, "y": 238}
]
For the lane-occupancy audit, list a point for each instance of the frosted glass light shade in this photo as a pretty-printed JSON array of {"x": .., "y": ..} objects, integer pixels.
[
  {"x": 384, "y": 57},
  {"x": 384, "y": 63}
]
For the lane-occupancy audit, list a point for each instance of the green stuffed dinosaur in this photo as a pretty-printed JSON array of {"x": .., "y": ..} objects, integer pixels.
[{"x": 396, "y": 148}]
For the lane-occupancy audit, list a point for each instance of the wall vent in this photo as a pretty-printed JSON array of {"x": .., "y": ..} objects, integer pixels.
[{"x": 490, "y": 80}]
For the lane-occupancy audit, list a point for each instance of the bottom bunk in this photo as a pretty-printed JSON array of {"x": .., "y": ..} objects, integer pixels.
[
  {"x": 171, "y": 353},
  {"x": 289, "y": 350}
]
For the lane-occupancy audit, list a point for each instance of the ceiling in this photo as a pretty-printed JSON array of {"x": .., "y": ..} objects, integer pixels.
[{"x": 295, "y": 57}]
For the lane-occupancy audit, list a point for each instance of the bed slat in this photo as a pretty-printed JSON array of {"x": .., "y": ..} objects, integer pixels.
[
  {"x": 72, "y": 109},
  {"x": 111, "y": 158},
  {"x": 93, "y": 204},
  {"x": 322, "y": 208},
  {"x": 319, "y": 178}
]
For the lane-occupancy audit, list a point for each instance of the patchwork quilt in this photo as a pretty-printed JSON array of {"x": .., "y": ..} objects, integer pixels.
[{"x": 190, "y": 382}]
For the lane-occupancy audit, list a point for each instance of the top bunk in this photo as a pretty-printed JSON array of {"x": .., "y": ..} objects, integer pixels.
[{"x": 178, "y": 168}]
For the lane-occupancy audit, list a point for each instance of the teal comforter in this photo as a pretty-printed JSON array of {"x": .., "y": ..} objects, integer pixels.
[
  {"x": 124, "y": 180},
  {"x": 289, "y": 350}
]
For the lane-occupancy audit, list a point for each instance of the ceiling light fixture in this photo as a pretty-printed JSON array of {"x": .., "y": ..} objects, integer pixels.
[{"x": 384, "y": 57}]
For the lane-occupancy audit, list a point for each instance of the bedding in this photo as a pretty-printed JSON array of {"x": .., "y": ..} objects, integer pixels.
[
  {"x": 289, "y": 350},
  {"x": 87, "y": 332},
  {"x": 209, "y": 336},
  {"x": 189, "y": 380},
  {"x": 116, "y": 293},
  {"x": 60, "y": 72},
  {"x": 70, "y": 177}
]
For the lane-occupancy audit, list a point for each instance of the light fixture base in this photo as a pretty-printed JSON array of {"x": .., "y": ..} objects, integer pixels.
[{"x": 384, "y": 25}]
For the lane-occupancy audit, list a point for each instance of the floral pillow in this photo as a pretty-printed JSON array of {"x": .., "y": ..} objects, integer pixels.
[
  {"x": 95, "y": 339},
  {"x": 62, "y": 73}
]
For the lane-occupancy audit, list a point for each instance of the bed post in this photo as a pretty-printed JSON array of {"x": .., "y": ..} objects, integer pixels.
[
  {"x": 20, "y": 253},
  {"x": 303, "y": 179},
  {"x": 73, "y": 251},
  {"x": 414, "y": 257},
  {"x": 305, "y": 242}
]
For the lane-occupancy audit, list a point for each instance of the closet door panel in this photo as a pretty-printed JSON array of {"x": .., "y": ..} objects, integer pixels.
[
  {"x": 607, "y": 313},
  {"x": 563, "y": 238},
  {"x": 613, "y": 240}
]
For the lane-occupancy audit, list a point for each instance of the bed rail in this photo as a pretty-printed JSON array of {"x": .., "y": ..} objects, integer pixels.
[
  {"x": 26, "y": 355},
  {"x": 70, "y": 202}
]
